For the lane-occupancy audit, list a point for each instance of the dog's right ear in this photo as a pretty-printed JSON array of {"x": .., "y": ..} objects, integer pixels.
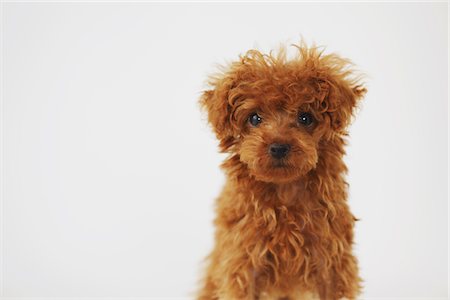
[{"x": 216, "y": 102}]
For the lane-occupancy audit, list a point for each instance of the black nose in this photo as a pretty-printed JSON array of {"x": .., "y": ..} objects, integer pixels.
[{"x": 279, "y": 150}]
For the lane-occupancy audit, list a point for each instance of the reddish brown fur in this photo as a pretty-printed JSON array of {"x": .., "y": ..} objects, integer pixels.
[{"x": 283, "y": 232}]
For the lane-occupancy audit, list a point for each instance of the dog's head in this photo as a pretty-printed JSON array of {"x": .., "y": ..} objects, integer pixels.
[{"x": 275, "y": 112}]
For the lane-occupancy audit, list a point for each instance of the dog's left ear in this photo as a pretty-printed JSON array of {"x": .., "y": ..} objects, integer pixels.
[{"x": 340, "y": 96}]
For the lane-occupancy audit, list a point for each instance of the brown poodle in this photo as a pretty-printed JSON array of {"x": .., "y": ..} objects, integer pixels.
[{"x": 283, "y": 227}]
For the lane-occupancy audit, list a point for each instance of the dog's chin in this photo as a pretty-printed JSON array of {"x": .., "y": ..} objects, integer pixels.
[{"x": 279, "y": 172}]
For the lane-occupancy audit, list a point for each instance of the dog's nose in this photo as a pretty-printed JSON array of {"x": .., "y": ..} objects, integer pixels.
[{"x": 279, "y": 150}]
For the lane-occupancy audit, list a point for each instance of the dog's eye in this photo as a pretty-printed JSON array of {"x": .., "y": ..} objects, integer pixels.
[
  {"x": 305, "y": 119},
  {"x": 254, "y": 119}
]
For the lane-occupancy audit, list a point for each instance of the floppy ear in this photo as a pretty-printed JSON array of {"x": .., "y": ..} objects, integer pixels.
[
  {"x": 341, "y": 97},
  {"x": 216, "y": 102}
]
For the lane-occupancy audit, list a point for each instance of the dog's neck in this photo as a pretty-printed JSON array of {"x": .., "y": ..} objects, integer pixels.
[{"x": 288, "y": 194}]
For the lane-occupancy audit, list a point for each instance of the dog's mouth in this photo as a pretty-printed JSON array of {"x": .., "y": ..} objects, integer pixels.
[
  {"x": 279, "y": 164},
  {"x": 279, "y": 170}
]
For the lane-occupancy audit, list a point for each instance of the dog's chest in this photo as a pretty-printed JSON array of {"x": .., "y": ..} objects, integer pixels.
[{"x": 288, "y": 231}]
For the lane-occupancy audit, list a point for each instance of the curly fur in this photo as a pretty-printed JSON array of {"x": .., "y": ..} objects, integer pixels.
[{"x": 283, "y": 231}]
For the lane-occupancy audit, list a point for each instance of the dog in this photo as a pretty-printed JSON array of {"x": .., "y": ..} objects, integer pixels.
[{"x": 284, "y": 229}]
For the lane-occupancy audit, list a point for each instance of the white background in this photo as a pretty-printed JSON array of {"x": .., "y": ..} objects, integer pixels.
[{"x": 109, "y": 171}]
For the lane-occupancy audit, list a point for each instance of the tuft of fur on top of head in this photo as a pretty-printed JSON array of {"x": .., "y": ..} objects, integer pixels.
[{"x": 334, "y": 86}]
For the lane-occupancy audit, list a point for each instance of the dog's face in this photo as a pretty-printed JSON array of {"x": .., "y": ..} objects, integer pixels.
[
  {"x": 275, "y": 114},
  {"x": 278, "y": 138}
]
